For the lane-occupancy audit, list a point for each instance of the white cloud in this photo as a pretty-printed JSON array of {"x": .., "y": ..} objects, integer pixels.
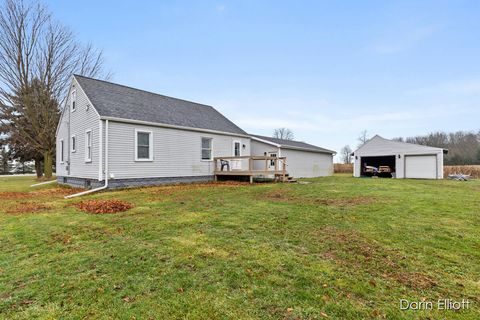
[{"x": 220, "y": 8}]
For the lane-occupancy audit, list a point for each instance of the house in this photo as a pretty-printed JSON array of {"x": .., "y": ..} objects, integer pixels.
[
  {"x": 117, "y": 136},
  {"x": 304, "y": 160},
  {"x": 383, "y": 157}
]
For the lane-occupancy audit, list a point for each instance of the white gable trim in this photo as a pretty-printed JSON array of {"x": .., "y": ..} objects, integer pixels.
[{"x": 266, "y": 141}]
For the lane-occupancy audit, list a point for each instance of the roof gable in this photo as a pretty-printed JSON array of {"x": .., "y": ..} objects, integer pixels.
[
  {"x": 379, "y": 144},
  {"x": 118, "y": 101},
  {"x": 292, "y": 144}
]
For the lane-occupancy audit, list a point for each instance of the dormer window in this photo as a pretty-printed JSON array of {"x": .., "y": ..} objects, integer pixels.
[{"x": 73, "y": 100}]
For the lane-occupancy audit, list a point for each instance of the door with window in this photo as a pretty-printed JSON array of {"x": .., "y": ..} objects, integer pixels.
[
  {"x": 236, "y": 164},
  {"x": 272, "y": 162}
]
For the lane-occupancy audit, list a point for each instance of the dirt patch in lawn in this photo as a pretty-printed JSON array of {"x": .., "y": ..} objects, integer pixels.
[
  {"x": 351, "y": 251},
  {"x": 104, "y": 206},
  {"x": 28, "y": 207},
  {"x": 284, "y": 195}
]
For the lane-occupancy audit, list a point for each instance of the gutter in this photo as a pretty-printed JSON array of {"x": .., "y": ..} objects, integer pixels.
[{"x": 105, "y": 186}]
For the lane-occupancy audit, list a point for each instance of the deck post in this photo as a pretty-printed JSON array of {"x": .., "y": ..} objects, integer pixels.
[
  {"x": 284, "y": 168},
  {"x": 251, "y": 179}
]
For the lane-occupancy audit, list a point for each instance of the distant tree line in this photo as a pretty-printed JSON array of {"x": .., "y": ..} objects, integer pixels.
[{"x": 463, "y": 146}]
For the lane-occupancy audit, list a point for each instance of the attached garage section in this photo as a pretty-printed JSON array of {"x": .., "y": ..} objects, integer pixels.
[
  {"x": 303, "y": 160},
  {"x": 421, "y": 166},
  {"x": 378, "y": 156}
]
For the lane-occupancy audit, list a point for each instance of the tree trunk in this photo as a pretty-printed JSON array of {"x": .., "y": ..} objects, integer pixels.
[
  {"x": 47, "y": 164},
  {"x": 38, "y": 168}
]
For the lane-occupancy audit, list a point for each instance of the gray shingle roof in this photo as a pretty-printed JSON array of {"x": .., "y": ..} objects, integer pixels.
[
  {"x": 114, "y": 100},
  {"x": 291, "y": 144}
]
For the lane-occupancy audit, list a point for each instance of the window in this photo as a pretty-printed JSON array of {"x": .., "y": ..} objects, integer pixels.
[
  {"x": 88, "y": 146},
  {"x": 74, "y": 143},
  {"x": 74, "y": 99},
  {"x": 143, "y": 145},
  {"x": 236, "y": 148},
  {"x": 206, "y": 148},
  {"x": 61, "y": 151}
]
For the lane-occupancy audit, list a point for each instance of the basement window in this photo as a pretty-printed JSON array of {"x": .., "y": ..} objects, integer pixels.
[
  {"x": 207, "y": 149},
  {"x": 143, "y": 145}
]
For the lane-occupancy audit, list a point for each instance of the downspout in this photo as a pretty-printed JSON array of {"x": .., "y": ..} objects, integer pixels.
[{"x": 105, "y": 186}]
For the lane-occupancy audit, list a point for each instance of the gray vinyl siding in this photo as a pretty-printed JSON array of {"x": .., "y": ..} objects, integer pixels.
[
  {"x": 379, "y": 146},
  {"x": 176, "y": 153},
  {"x": 81, "y": 120},
  {"x": 305, "y": 164}
]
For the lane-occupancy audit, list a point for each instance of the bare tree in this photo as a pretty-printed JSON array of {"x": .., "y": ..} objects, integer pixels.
[
  {"x": 346, "y": 154},
  {"x": 362, "y": 138},
  {"x": 38, "y": 56},
  {"x": 283, "y": 133}
]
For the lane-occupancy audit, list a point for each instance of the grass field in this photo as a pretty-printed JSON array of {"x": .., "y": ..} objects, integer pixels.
[{"x": 338, "y": 248}]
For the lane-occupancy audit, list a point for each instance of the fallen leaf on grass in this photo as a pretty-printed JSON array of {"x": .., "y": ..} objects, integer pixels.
[
  {"x": 104, "y": 206},
  {"x": 324, "y": 315},
  {"x": 28, "y": 207}
]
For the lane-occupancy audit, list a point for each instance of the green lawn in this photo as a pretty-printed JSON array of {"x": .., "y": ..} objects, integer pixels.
[{"x": 338, "y": 247}]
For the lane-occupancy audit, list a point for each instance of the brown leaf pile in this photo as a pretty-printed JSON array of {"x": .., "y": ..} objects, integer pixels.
[
  {"x": 104, "y": 206},
  {"x": 59, "y": 191},
  {"x": 13, "y": 195},
  {"x": 50, "y": 192},
  {"x": 28, "y": 207}
]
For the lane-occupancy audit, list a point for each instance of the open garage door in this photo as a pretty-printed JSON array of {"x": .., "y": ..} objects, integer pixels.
[{"x": 421, "y": 167}]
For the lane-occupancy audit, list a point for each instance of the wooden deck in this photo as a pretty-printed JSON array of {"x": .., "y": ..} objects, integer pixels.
[{"x": 252, "y": 166}]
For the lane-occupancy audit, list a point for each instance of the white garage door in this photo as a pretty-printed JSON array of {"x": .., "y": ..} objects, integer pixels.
[{"x": 421, "y": 167}]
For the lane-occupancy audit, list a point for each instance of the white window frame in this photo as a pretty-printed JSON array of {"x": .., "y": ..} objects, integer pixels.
[
  {"x": 150, "y": 147},
  {"x": 239, "y": 148},
  {"x": 88, "y": 157},
  {"x": 73, "y": 145},
  {"x": 62, "y": 150},
  {"x": 211, "y": 148},
  {"x": 73, "y": 100}
]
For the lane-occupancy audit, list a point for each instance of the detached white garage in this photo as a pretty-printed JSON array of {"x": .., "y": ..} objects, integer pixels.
[{"x": 386, "y": 158}]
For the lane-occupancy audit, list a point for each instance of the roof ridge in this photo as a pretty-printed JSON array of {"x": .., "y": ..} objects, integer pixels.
[
  {"x": 260, "y": 136},
  {"x": 137, "y": 89}
]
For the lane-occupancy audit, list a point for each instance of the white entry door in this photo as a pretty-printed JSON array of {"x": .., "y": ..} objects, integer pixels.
[
  {"x": 421, "y": 167},
  {"x": 271, "y": 164}
]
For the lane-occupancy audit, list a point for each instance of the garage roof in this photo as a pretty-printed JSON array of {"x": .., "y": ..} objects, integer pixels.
[{"x": 381, "y": 146}]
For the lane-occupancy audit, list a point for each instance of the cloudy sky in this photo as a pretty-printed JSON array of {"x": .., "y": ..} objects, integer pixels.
[{"x": 325, "y": 69}]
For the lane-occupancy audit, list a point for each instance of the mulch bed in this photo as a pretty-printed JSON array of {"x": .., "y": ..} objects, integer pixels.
[{"x": 104, "y": 206}]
